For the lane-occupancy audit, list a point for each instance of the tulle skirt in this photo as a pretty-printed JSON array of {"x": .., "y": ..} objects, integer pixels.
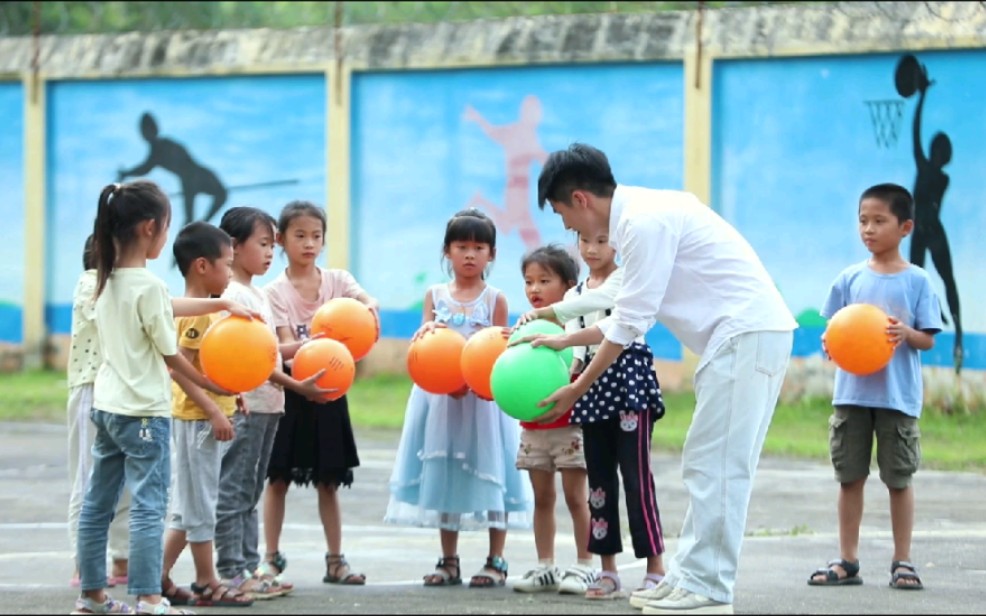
[{"x": 455, "y": 466}]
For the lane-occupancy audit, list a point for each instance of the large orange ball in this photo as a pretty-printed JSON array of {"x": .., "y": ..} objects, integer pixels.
[
  {"x": 350, "y": 322},
  {"x": 238, "y": 354},
  {"x": 434, "y": 361},
  {"x": 334, "y": 357},
  {"x": 478, "y": 356},
  {"x": 856, "y": 339}
]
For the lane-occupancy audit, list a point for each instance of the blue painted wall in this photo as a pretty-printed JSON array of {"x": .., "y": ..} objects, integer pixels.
[
  {"x": 794, "y": 145},
  {"x": 264, "y": 137},
  {"x": 426, "y": 144},
  {"x": 12, "y": 212}
]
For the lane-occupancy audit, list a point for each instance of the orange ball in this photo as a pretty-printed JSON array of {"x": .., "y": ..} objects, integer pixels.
[
  {"x": 478, "y": 356},
  {"x": 434, "y": 361},
  {"x": 334, "y": 357},
  {"x": 350, "y": 322},
  {"x": 856, "y": 339},
  {"x": 238, "y": 354}
]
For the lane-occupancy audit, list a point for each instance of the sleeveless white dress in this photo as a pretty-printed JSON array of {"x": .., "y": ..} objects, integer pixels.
[{"x": 455, "y": 466}]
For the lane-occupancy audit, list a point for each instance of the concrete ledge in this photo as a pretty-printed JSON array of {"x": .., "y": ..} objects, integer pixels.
[{"x": 760, "y": 31}]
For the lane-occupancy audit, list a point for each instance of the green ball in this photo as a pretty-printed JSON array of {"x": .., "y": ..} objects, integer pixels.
[
  {"x": 543, "y": 326},
  {"x": 523, "y": 376}
]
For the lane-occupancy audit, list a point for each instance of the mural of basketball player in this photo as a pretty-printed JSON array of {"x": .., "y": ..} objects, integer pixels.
[
  {"x": 929, "y": 191},
  {"x": 520, "y": 147},
  {"x": 174, "y": 157}
]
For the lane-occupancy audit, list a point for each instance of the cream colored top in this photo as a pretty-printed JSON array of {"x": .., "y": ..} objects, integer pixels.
[
  {"x": 83, "y": 354},
  {"x": 136, "y": 331}
]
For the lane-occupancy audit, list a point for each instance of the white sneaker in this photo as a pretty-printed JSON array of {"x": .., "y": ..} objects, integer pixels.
[
  {"x": 640, "y": 598},
  {"x": 542, "y": 579},
  {"x": 681, "y": 601},
  {"x": 576, "y": 580}
]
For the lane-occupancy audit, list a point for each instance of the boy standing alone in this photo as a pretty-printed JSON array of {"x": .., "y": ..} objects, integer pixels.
[{"x": 886, "y": 403}]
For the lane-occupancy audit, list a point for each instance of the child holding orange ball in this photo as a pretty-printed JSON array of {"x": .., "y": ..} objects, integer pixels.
[
  {"x": 244, "y": 467},
  {"x": 314, "y": 441},
  {"x": 201, "y": 426},
  {"x": 888, "y": 402},
  {"x": 454, "y": 468}
]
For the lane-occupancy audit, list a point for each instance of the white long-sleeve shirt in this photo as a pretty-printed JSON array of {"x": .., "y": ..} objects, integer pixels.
[
  {"x": 685, "y": 266},
  {"x": 591, "y": 305}
]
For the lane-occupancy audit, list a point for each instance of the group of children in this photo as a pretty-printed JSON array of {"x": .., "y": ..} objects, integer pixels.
[
  {"x": 459, "y": 458},
  {"x": 137, "y": 386},
  {"x": 171, "y": 443}
]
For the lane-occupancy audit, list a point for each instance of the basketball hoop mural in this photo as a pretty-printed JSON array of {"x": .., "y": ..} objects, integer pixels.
[{"x": 910, "y": 78}]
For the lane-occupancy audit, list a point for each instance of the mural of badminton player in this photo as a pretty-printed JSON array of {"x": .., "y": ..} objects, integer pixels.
[
  {"x": 174, "y": 157},
  {"x": 929, "y": 190},
  {"x": 520, "y": 145}
]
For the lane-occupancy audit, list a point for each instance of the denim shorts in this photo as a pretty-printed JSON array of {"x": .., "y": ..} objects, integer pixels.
[{"x": 898, "y": 444}]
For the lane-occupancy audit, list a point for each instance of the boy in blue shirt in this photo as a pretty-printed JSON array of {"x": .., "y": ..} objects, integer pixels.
[{"x": 886, "y": 403}]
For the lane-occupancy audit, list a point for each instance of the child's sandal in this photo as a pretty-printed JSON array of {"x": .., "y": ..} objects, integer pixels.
[
  {"x": 337, "y": 571},
  {"x": 651, "y": 580},
  {"x": 492, "y": 575},
  {"x": 443, "y": 574},
  {"x": 219, "y": 596},
  {"x": 175, "y": 594},
  {"x": 606, "y": 587}
]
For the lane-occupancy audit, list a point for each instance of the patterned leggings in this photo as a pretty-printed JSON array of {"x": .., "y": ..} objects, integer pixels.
[{"x": 622, "y": 443}]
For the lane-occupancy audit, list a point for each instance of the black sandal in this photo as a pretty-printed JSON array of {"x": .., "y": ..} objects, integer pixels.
[
  {"x": 336, "y": 563},
  {"x": 832, "y": 576},
  {"x": 493, "y": 574},
  {"x": 910, "y": 576},
  {"x": 443, "y": 576}
]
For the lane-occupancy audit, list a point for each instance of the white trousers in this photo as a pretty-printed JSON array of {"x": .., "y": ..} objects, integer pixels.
[
  {"x": 81, "y": 434},
  {"x": 735, "y": 395}
]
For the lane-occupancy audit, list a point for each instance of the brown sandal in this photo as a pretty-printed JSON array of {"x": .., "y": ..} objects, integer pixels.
[
  {"x": 219, "y": 596},
  {"x": 336, "y": 564},
  {"x": 175, "y": 594}
]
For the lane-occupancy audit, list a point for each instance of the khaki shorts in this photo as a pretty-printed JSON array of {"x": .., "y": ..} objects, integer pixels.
[
  {"x": 550, "y": 450},
  {"x": 898, "y": 444}
]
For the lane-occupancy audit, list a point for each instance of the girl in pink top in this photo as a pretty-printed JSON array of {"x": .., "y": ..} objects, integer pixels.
[{"x": 314, "y": 441}]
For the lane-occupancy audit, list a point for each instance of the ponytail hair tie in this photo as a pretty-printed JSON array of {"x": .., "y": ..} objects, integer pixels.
[{"x": 113, "y": 191}]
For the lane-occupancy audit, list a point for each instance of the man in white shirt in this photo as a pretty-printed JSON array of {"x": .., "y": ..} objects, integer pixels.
[{"x": 685, "y": 266}]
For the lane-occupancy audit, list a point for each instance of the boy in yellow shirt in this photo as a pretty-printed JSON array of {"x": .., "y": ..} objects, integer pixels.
[{"x": 201, "y": 428}]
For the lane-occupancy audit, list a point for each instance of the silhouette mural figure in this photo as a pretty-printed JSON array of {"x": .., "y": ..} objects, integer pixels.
[
  {"x": 174, "y": 157},
  {"x": 929, "y": 191},
  {"x": 520, "y": 145}
]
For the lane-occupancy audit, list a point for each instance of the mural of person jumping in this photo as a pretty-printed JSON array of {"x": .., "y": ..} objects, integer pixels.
[
  {"x": 520, "y": 145},
  {"x": 174, "y": 157},
  {"x": 929, "y": 191}
]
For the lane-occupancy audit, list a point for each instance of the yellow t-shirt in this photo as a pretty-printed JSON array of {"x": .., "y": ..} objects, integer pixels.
[{"x": 190, "y": 333}]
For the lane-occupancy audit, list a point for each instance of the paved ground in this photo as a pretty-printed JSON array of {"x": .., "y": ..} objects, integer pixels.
[{"x": 791, "y": 531}]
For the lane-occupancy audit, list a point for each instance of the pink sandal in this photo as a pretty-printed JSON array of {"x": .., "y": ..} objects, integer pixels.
[
  {"x": 651, "y": 580},
  {"x": 607, "y": 586}
]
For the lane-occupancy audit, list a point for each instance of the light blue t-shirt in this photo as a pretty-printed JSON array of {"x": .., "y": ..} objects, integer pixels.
[{"x": 908, "y": 296}]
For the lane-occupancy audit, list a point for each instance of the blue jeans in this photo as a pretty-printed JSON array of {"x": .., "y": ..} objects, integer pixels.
[{"x": 136, "y": 452}]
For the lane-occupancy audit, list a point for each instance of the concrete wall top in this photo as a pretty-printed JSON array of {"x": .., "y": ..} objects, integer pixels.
[{"x": 761, "y": 31}]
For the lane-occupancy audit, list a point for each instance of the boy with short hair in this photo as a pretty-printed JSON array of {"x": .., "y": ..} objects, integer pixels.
[
  {"x": 886, "y": 403},
  {"x": 201, "y": 428}
]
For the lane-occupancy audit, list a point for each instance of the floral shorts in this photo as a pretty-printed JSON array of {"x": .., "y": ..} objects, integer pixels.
[{"x": 552, "y": 449}]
